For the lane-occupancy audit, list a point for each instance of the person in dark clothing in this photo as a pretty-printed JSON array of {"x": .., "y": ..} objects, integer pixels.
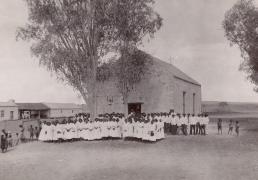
[
  {"x": 219, "y": 124},
  {"x": 22, "y": 137},
  {"x": 36, "y": 132},
  {"x": 4, "y": 143},
  {"x": 230, "y": 127},
  {"x": 237, "y": 128},
  {"x": 31, "y": 131}
]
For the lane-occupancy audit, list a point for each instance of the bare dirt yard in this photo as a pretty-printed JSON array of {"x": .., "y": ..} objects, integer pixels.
[{"x": 210, "y": 157}]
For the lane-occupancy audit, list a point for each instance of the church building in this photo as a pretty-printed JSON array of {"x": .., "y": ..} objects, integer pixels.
[{"x": 163, "y": 88}]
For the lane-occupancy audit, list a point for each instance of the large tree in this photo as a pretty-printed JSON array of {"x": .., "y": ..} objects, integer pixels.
[
  {"x": 71, "y": 37},
  {"x": 241, "y": 28}
]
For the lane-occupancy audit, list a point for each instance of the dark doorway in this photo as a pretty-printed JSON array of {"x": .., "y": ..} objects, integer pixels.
[{"x": 134, "y": 107}]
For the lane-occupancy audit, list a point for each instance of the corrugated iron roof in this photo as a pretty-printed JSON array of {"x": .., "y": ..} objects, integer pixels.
[
  {"x": 32, "y": 106},
  {"x": 174, "y": 70},
  {"x": 62, "y": 106},
  {"x": 8, "y": 104}
]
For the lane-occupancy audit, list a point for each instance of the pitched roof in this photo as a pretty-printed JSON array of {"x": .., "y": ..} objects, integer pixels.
[
  {"x": 8, "y": 104},
  {"x": 62, "y": 106},
  {"x": 164, "y": 66},
  {"x": 32, "y": 106},
  {"x": 174, "y": 70}
]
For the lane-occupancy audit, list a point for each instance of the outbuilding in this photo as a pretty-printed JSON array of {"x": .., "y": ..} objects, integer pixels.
[
  {"x": 8, "y": 111},
  {"x": 59, "y": 110}
]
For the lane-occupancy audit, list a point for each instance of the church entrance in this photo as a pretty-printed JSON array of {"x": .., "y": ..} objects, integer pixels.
[{"x": 135, "y": 107}]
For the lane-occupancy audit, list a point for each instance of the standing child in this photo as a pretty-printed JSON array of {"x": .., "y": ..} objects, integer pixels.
[
  {"x": 31, "y": 132},
  {"x": 237, "y": 128},
  {"x": 230, "y": 127},
  {"x": 36, "y": 132},
  {"x": 4, "y": 141},
  {"x": 219, "y": 124}
]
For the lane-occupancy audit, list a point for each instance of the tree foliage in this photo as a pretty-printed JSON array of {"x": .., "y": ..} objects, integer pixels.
[
  {"x": 241, "y": 28},
  {"x": 71, "y": 37}
]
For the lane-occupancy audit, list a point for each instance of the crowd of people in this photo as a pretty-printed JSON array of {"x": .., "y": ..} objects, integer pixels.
[
  {"x": 144, "y": 127},
  {"x": 105, "y": 126},
  {"x": 7, "y": 140},
  {"x": 186, "y": 124}
]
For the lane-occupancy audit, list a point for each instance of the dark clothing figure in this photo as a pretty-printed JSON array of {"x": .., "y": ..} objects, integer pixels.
[
  {"x": 31, "y": 131},
  {"x": 219, "y": 124},
  {"x": 237, "y": 128},
  {"x": 192, "y": 129},
  {"x": 230, "y": 127},
  {"x": 184, "y": 129},
  {"x": 4, "y": 142},
  {"x": 22, "y": 134},
  {"x": 203, "y": 129},
  {"x": 36, "y": 132},
  {"x": 10, "y": 140},
  {"x": 198, "y": 128}
]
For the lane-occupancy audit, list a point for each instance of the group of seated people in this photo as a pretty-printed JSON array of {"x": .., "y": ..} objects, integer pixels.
[{"x": 144, "y": 127}]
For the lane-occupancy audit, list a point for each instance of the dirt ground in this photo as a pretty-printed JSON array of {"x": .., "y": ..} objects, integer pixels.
[{"x": 210, "y": 157}]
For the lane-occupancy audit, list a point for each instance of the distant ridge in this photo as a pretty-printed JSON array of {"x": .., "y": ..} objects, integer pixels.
[{"x": 230, "y": 107}]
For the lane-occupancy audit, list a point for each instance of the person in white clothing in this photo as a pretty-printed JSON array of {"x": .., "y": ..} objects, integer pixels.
[
  {"x": 43, "y": 132},
  {"x": 206, "y": 122},
  {"x": 184, "y": 122},
  {"x": 178, "y": 124},
  {"x": 192, "y": 122},
  {"x": 173, "y": 124}
]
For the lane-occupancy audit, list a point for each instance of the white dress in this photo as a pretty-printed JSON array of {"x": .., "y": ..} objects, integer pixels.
[
  {"x": 83, "y": 131},
  {"x": 109, "y": 128},
  {"x": 63, "y": 127},
  {"x": 87, "y": 131},
  {"x": 118, "y": 130},
  {"x": 59, "y": 132},
  {"x": 73, "y": 131},
  {"x": 113, "y": 129},
  {"x": 67, "y": 130},
  {"x": 78, "y": 129},
  {"x": 145, "y": 131},
  {"x": 97, "y": 130},
  {"x": 130, "y": 129},
  {"x": 55, "y": 132},
  {"x": 162, "y": 131},
  {"x": 48, "y": 133},
  {"x": 104, "y": 131},
  {"x": 152, "y": 132},
  {"x": 125, "y": 130},
  {"x": 135, "y": 129},
  {"x": 43, "y": 132}
]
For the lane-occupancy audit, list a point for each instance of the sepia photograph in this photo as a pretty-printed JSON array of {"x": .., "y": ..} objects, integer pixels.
[{"x": 129, "y": 89}]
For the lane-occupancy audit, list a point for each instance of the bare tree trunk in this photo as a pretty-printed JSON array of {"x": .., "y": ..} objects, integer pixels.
[
  {"x": 125, "y": 105},
  {"x": 94, "y": 93}
]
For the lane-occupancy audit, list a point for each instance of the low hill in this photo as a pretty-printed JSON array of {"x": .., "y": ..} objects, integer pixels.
[
  {"x": 243, "y": 109},
  {"x": 222, "y": 106}
]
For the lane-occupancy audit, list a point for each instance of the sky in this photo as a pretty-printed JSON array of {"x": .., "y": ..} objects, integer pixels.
[{"x": 191, "y": 38}]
